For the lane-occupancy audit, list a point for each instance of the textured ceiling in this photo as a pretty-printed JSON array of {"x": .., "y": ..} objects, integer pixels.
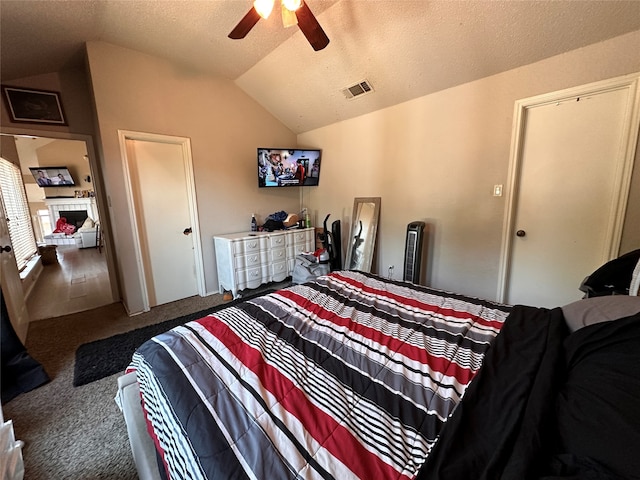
[{"x": 405, "y": 48}]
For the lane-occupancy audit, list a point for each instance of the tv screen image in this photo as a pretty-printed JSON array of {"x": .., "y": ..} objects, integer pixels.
[
  {"x": 52, "y": 176},
  {"x": 279, "y": 167}
]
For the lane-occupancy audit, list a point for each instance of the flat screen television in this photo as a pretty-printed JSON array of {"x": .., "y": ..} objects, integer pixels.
[
  {"x": 279, "y": 167},
  {"x": 52, "y": 176}
]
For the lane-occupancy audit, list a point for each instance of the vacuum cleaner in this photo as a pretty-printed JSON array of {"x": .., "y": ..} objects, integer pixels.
[{"x": 332, "y": 243}]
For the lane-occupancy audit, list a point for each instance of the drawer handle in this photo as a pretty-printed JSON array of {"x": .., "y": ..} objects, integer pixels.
[
  {"x": 253, "y": 244},
  {"x": 254, "y": 274}
]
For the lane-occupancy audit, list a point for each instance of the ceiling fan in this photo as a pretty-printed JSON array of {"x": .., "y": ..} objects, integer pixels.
[{"x": 293, "y": 12}]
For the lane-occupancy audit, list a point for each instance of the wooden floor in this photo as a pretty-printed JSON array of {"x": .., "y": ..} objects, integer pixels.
[{"x": 78, "y": 282}]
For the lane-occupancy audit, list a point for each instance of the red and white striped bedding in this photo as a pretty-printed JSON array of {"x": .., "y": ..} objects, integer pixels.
[{"x": 351, "y": 376}]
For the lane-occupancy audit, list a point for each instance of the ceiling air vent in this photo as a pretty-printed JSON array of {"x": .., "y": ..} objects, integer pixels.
[{"x": 358, "y": 89}]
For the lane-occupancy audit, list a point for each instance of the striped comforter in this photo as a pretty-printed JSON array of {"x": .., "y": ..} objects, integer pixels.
[{"x": 350, "y": 376}]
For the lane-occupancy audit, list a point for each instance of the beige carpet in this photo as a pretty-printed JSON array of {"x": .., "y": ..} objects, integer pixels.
[{"x": 78, "y": 432}]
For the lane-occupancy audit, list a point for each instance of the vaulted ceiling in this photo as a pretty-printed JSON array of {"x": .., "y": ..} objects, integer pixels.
[{"x": 404, "y": 48}]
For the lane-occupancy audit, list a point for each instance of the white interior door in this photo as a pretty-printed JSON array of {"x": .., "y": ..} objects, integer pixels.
[
  {"x": 571, "y": 195},
  {"x": 163, "y": 211}
]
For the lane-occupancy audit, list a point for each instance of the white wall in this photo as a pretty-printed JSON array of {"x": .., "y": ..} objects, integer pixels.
[
  {"x": 141, "y": 93},
  {"x": 437, "y": 158}
]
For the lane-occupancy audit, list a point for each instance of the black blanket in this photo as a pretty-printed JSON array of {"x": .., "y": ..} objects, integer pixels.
[
  {"x": 19, "y": 372},
  {"x": 548, "y": 405}
]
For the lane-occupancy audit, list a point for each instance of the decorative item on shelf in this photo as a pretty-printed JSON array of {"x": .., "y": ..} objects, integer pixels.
[
  {"x": 304, "y": 215},
  {"x": 254, "y": 223},
  {"x": 291, "y": 220},
  {"x": 275, "y": 221}
]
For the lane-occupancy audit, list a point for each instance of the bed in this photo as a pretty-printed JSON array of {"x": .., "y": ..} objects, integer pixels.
[{"x": 356, "y": 376}]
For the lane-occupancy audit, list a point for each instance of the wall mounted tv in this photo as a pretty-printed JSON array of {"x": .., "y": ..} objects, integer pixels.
[
  {"x": 52, "y": 176},
  {"x": 279, "y": 167}
]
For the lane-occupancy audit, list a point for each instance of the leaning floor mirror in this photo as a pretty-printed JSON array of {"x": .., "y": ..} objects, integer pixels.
[{"x": 362, "y": 240}]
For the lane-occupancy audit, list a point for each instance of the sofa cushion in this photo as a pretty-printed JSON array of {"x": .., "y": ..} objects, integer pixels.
[{"x": 88, "y": 224}]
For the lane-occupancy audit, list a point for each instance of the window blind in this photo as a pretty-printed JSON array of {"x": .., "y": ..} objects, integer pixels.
[{"x": 14, "y": 200}]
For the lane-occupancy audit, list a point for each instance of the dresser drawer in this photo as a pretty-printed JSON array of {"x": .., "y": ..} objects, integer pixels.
[
  {"x": 296, "y": 249},
  {"x": 247, "y": 261},
  {"x": 277, "y": 241},
  {"x": 310, "y": 237},
  {"x": 245, "y": 246},
  {"x": 279, "y": 271},
  {"x": 278, "y": 255},
  {"x": 250, "y": 278},
  {"x": 299, "y": 237}
]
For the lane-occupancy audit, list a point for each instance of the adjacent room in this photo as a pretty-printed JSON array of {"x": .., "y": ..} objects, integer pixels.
[{"x": 351, "y": 183}]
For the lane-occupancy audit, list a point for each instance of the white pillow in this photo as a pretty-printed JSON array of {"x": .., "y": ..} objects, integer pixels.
[
  {"x": 87, "y": 225},
  {"x": 599, "y": 309}
]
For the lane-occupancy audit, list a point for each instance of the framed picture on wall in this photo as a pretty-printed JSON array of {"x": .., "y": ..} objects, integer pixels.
[{"x": 33, "y": 106}]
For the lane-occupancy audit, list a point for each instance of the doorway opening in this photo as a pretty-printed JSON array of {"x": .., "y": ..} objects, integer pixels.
[{"x": 79, "y": 276}]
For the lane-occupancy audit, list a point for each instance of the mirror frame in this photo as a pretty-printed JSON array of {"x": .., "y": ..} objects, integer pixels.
[{"x": 369, "y": 241}]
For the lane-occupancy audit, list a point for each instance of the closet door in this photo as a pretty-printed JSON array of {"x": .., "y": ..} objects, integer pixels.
[
  {"x": 164, "y": 207},
  {"x": 571, "y": 188}
]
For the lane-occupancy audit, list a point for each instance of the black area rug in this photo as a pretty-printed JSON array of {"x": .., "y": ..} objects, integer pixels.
[{"x": 102, "y": 358}]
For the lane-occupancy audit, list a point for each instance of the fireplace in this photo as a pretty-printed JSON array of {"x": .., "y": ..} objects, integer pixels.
[
  {"x": 58, "y": 207},
  {"x": 76, "y": 211},
  {"x": 74, "y": 217}
]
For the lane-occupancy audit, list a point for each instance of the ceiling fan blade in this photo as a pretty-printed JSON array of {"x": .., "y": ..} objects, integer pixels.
[
  {"x": 245, "y": 25},
  {"x": 311, "y": 28}
]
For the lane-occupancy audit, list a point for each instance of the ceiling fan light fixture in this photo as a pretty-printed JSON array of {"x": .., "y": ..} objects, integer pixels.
[
  {"x": 263, "y": 7},
  {"x": 289, "y": 18},
  {"x": 292, "y": 5},
  {"x": 305, "y": 19}
]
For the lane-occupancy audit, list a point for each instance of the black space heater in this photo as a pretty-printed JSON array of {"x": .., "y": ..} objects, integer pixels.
[{"x": 413, "y": 252}]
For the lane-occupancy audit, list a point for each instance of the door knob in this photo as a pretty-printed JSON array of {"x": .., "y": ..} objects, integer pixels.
[
  {"x": 521, "y": 233},
  {"x": 187, "y": 231},
  {"x": 6, "y": 248}
]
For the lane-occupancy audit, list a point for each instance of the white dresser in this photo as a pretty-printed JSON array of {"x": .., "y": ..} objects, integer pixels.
[{"x": 249, "y": 259}]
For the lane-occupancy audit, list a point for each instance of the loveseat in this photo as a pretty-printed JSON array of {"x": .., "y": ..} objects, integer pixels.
[{"x": 84, "y": 237}]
